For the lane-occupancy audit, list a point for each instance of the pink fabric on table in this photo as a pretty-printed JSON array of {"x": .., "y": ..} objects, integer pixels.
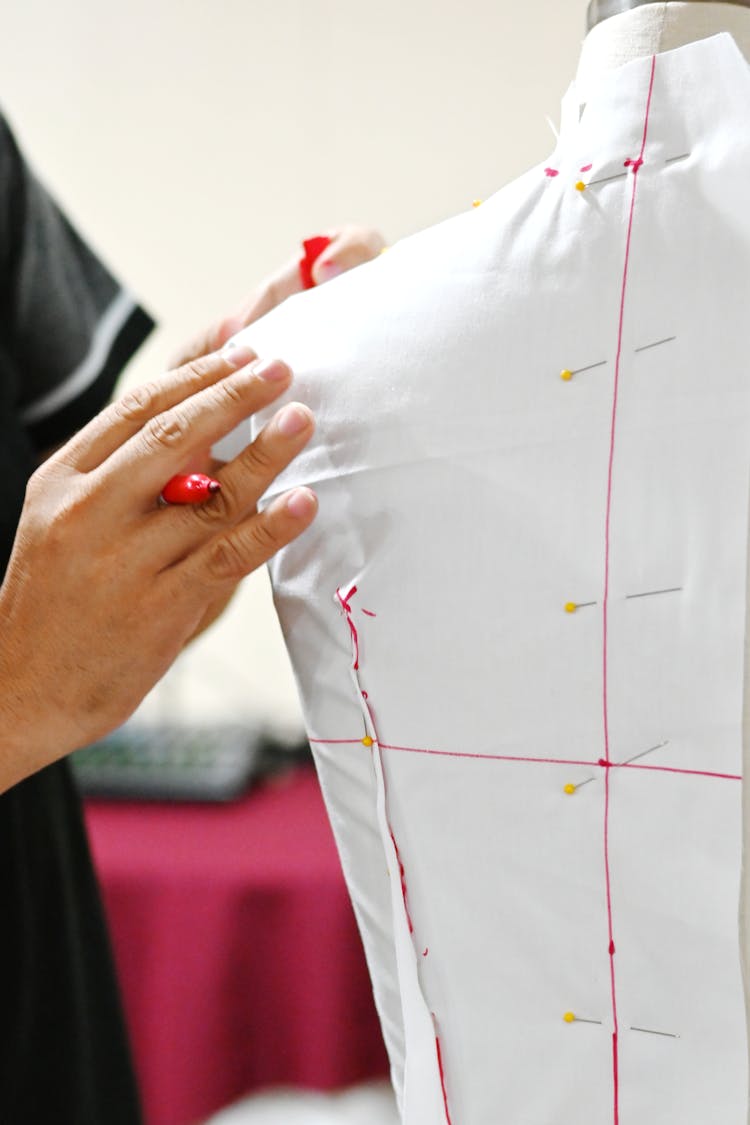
[{"x": 236, "y": 947}]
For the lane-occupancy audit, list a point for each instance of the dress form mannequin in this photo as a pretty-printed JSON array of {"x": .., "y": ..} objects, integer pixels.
[
  {"x": 459, "y": 667},
  {"x": 623, "y": 30}
]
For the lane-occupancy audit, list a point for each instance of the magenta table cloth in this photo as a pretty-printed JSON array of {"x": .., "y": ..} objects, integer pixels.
[{"x": 237, "y": 950}]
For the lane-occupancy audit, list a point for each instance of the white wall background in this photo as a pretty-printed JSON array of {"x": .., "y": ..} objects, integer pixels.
[{"x": 195, "y": 142}]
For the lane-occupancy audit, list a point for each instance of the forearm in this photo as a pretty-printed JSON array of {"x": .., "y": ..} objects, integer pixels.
[{"x": 104, "y": 588}]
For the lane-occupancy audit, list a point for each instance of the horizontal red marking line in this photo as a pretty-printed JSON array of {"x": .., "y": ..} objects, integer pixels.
[
  {"x": 455, "y": 753},
  {"x": 537, "y": 761},
  {"x": 489, "y": 757},
  {"x": 676, "y": 769}
]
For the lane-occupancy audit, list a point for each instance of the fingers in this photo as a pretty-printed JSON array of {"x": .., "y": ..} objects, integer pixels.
[
  {"x": 351, "y": 246},
  {"x": 135, "y": 474},
  {"x": 245, "y": 479},
  {"x": 179, "y": 531},
  {"x": 235, "y": 553},
  {"x": 128, "y": 415}
]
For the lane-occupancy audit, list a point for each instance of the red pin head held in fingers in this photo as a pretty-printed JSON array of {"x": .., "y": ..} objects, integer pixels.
[
  {"x": 313, "y": 248},
  {"x": 192, "y": 489}
]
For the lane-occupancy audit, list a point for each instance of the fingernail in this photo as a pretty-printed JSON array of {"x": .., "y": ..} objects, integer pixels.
[
  {"x": 272, "y": 370},
  {"x": 301, "y": 502},
  {"x": 326, "y": 271},
  {"x": 237, "y": 354},
  {"x": 292, "y": 420}
]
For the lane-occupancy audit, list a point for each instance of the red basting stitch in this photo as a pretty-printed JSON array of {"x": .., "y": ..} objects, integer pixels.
[
  {"x": 352, "y": 627},
  {"x": 402, "y": 872},
  {"x": 376, "y": 747},
  {"x": 441, "y": 1068}
]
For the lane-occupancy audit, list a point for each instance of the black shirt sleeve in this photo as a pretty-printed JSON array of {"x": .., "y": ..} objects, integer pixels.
[
  {"x": 66, "y": 327},
  {"x": 66, "y": 330}
]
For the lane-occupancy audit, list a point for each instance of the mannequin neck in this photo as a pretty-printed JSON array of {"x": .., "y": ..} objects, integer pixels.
[{"x": 651, "y": 28}]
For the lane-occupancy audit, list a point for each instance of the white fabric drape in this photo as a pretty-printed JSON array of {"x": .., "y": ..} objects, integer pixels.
[{"x": 527, "y": 717}]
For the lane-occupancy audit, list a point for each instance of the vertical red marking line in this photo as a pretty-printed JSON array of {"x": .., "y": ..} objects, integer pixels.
[
  {"x": 441, "y": 1068},
  {"x": 345, "y": 605},
  {"x": 402, "y": 873},
  {"x": 350, "y": 620},
  {"x": 636, "y": 166}
]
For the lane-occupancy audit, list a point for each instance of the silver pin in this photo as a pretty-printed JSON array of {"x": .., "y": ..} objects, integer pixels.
[
  {"x": 643, "y": 753},
  {"x": 570, "y": 1017},
  {"x": 608, "y": 179},
  {"x": 673, "y": 159},
  {"x": 552, "y": 126},
  {"x": 573, "y": 787},
  {"x": 645, "y": 348},
  {"x": 591, "y": 367},
  {"x": 653, "y": 593},
  {"x": 566, "y": 374},
  {"x": 650, "y": 1031},
  {"x": 580, "y": 784}
]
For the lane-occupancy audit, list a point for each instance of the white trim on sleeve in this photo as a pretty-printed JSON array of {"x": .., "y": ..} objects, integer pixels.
[{"x": 84, "y": 375}]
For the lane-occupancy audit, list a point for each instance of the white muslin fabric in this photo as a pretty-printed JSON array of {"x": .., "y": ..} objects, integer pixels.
[{"x": 518, "y": 622}]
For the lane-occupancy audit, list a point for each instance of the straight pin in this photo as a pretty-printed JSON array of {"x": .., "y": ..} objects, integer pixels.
[
  {"x": 673, "y": 159},
  {"x": 567, "y": 374},
  {"x": 572, "y": 788},
  {"x": 608, "y": 179},
  {"x": 591, "y": 367},
  {"x": 637, "y": 757},
  {"x": 572, "y": 607},
  {"x": 645, "y": 348},
  {"x": 653, "y": 593},
  {"x": 649, "y": 1031},
  {"x": 571, "y": 1017}
]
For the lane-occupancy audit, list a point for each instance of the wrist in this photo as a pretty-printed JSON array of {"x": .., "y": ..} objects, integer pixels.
[{"x": 33, "y": 734}]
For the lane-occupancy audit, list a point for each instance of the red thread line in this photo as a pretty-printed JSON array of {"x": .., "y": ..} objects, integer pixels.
[
  {"x": 355, "y": 653},
  {"x": 402, "y": 873},
  {"x": 441, "y": 1068},
  {"x": 376, "y": 745},
  {"x": 676, "y": 769},
  {"x": 541, "y": 761},
  {"x": 352, "y": 627},
  {"x": 605, "y": 601}
]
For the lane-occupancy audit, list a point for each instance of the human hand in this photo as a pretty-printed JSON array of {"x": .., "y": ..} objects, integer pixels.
[
  {"x": 350, "y": 246},
  {"x": 104, "y": 587}
]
